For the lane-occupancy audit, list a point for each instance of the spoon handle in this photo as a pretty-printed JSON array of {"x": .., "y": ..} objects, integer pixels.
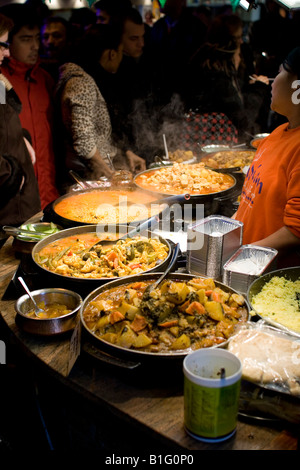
[
  {"x": 16, "y": 231},
  {"x": 79, "y": 180},
  {"x": 169, "y": 268},
  {"x": 27, "y": 290}
]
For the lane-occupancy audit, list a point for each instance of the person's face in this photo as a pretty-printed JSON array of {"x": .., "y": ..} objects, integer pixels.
[
  {"x": 102, "y": 17},
  {"x": 54, "y": 39},
  {"x": 25, "y": 45},
  {"x": 4, "y": 51},
  {"x": 282, "y": 90},
  {"x": 133, "y": 39}
]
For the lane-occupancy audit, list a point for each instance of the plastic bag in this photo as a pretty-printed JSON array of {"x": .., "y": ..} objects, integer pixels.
[{"x": 270, "y": 357}]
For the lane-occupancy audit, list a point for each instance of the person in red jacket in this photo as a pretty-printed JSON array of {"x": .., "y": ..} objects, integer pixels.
[
  {"x": 19, "y": 196},
  {"x": 34, "y": 86},
  {"x": 270, "y": 200}
]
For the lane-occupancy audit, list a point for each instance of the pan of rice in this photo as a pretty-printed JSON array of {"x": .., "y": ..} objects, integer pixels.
[{"x": 275, "y": 297}]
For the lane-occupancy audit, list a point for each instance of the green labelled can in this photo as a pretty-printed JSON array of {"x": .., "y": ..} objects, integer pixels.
[{"x": 212, "y": 379}]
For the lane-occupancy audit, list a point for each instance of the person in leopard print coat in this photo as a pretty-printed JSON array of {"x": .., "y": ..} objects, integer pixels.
[{"x": 85, "y": 125}]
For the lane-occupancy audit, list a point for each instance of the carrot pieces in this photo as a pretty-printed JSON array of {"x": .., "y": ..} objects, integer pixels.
[
  {"x": 195, "y": 307},
  {"x": 116, "y": 316},
  {"x": 139, "y": 323}
]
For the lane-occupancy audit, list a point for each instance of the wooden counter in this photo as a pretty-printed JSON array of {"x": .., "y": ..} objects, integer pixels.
[{"x": 148, "y": 402}]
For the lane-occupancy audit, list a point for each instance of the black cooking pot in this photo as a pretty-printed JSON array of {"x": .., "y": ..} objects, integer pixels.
[{"x": 51, "y": 215}]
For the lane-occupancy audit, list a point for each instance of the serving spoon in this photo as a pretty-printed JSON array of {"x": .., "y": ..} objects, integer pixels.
[
  {"x": 152, "y": 221},
  {"x": 14, "y": 231},
  {"x": 38, "y": 311},
  {"x": 158, "y": 281},
  {"x": 149, "y": 310}
]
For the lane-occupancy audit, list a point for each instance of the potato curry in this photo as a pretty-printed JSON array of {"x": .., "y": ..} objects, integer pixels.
[{"x": 177, "y": 315}]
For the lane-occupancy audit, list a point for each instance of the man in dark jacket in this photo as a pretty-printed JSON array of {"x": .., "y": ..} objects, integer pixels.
[{"x": 19, "y": 196}]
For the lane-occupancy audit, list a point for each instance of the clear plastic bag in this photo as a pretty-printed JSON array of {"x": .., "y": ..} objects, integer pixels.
[{"x": 270, "y": 357}]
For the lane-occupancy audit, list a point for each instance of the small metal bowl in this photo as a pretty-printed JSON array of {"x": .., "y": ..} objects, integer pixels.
[
  {"x": 48, "y": 326},
  {"x": 41, "y": 228},
  {"x": 258, "y": 137}
]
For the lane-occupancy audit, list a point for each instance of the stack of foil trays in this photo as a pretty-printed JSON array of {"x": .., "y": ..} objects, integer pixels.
[
  {"x": 210, "y": 243},
  {"x": 246, "y": 265}
]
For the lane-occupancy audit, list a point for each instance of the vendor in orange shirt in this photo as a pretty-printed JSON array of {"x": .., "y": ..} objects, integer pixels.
[{"x": 270, "y": 200}]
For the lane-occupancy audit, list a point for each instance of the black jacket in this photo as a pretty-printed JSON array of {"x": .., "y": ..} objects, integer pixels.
[{"x": 16, "y": 206}]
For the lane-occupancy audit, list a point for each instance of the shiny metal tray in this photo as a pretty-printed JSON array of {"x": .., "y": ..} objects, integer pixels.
[{"x": 246, "y": 265}]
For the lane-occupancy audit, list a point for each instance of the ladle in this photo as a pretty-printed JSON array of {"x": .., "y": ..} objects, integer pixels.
[
  {"x": 79, "y": 180},
  {"x": 110, "y": 162},
  {"x": 38, "y": 311},
  {"x": 166, "y": 147}
]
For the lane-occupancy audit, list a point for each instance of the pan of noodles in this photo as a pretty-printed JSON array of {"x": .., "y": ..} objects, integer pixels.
[
  {"x": 182, "y": 314},
  {"x": 79, "y": 254}
]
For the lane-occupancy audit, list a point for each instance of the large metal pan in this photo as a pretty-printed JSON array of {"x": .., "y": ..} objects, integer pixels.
[
  {"x": 212, "y": 203},
  {"x": 209, "y": 160},
  {"x": 118, "y": 230},
  {"x": 192, "y": 198},
  {"x": 292, "y": 274},
  {"x": 137, "y": 355},
  {"x": 141, "y": 197}
]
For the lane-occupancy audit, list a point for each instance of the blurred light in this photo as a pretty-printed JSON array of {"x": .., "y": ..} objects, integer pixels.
[
  {"x": 66, "y": 4},
  {"x": 290, "y": 4}
]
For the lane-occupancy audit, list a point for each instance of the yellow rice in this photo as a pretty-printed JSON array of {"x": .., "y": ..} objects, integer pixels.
[{"x": 277, "y": 301}]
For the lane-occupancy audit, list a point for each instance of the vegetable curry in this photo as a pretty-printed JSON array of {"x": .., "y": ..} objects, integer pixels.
[
  {"x": 177, "y": 315},
  {"x": 82, "y": 256}
]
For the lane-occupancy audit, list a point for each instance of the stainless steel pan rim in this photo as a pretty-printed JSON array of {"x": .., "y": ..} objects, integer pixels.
[
  {"x": 121, "y": 229},
  {"x": 144, "y": 277},
  {"x": 292, "y": 274}
]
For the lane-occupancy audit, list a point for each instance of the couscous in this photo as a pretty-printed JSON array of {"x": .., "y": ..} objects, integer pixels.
[{"x": 278, "y": 301}]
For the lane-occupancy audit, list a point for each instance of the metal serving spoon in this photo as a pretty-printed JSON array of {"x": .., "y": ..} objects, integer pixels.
[
  {"x": 82, "y": 183},
  {"x": 38, "y": 311},
  {"x": 164, "y": 275},
  {"x": 150, "y": 310},
  {"x": 152, "y": 221}
]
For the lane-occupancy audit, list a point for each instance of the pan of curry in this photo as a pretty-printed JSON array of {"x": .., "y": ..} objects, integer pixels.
[
  {"x": 184, "y": 184},
  {"x": 77, "y": 255},
  {"x": 200, "y": 183},
  {"x": 182, "y": 314},
  {"x": 105, "y": 206}
]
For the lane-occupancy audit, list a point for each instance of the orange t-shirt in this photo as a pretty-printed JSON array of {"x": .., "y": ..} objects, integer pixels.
[{"x": 270, "y": 196}]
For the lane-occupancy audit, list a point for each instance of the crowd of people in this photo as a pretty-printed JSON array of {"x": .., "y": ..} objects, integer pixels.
[{"x": 105, "y": 85}]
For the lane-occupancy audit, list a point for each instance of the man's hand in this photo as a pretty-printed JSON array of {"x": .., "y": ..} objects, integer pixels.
[
  {"x": 99, "y": 167},
  {"x": 135, "y": 162}
]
